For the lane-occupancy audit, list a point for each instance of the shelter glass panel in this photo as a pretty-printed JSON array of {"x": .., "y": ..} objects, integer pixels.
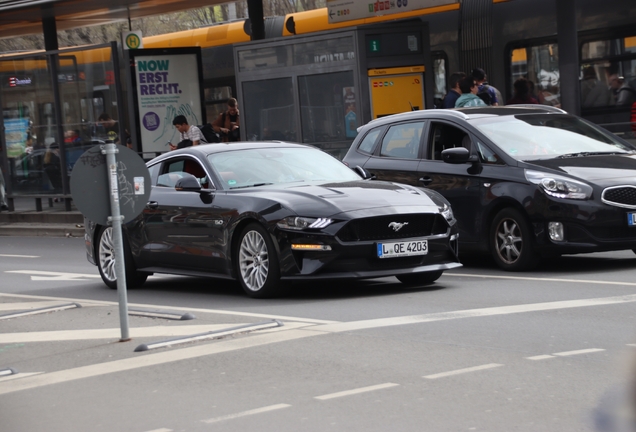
[
  {"x": 328, "y": 108},
  {"x": 265, "y": 58},
  {"x": 324, "y": 51},
  {"x": 270, "y": 109}
]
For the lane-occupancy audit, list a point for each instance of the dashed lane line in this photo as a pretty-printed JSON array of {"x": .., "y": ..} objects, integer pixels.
[
  {"x": 18, "y": 256},
  {"x": 247, "y": 413},
  {"x": 462, "y": 371},
  {"x": 356, "y": 391},
  {"x": 565, "y": 354}
]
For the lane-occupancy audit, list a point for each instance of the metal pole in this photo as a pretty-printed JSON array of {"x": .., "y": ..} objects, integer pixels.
[{"x": 120, "y": 267}]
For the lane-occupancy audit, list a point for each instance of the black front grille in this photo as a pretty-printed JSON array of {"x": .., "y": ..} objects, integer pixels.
[
  {"x": 621, "y": 196},
  {"x": 383, "y": 227}
]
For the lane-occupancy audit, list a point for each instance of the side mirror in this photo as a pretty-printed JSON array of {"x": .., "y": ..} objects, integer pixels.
[
  {"x": 366, "y": 175},
  {"x": 458, "y": 155},
  {"x": 188, "y": 183}
]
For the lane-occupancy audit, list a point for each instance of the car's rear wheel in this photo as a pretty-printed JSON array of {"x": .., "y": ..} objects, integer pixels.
[
  {"x": 257, "y": 263},
  {"x": 106, "y": 261},
  {"x": 510, "y": 241},
  {"x": 424, "y": 278}
]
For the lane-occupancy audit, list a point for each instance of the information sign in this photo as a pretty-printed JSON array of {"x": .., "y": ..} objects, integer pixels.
[{"x": 348, "y": 10}]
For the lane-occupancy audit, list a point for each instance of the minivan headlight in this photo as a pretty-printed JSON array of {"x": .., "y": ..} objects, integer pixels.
[{"x": 559, "y": 186}]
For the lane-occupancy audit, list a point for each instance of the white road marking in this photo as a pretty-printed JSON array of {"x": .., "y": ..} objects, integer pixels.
[
  {"x": 39, "y": 311},
  {"x": 540, "y": 357},
  {"x": 577, "y": 352},
  {"x": 462, "y": 371},
  {"x": 18, "y": 256},
  {"x": 19, "y": 375},
  {"x": 152, "y": 360},
  {"x": 356, "y": 391},
  {"x": 28, "y": 305},
  {"x": 247, "y": 413},
  {"x": 472, "y": 313},
  {"x": 536, "y": 279},
  {"x": 37, "y": 275},
  {"x": 634, "y": 345},
  {"x": 150, "y": 306},
  {"x": 160, "y": 430}
]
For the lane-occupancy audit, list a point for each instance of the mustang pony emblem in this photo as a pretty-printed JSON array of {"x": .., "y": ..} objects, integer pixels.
[{"x": 397, "y": 226}]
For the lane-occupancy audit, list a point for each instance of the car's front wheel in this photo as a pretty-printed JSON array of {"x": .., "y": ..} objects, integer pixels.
[
  {"x": 424, "y": 278},
  {"x": 256, "y": 261},
  {"x": 510, "y": 241},
  {"x": 106, "y": 261}
]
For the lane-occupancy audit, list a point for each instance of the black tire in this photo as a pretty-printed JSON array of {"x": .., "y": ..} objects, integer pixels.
[
  {"x": 511, "y": 241},
  {"x": 105, "y": 258},
  {"x": 256, "y": 263},
  {"x": 424, "y": 278}
]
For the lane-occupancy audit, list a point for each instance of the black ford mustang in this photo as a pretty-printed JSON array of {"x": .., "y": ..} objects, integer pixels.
[{"x": 266, "y": 212}]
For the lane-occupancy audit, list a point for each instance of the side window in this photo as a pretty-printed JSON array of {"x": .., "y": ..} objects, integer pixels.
[
  {"x": 368, "y": 143},
  {"x": 487, "y": 156},
  {"x": 444, "y": 136},
  {"x": 174, "y": 170},
  {"x": 402, "y": 141},
  {"x": 154, "y": 170}
]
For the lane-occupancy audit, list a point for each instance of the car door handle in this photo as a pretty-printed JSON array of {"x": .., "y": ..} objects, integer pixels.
[
  {"x": 426, "y": 180},
  {"x": 153, "y": 205}
]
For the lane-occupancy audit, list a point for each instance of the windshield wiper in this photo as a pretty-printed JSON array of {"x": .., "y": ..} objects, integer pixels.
[
  {"x": 252, "y": 185},
  {"x": 584, "y": 154}
]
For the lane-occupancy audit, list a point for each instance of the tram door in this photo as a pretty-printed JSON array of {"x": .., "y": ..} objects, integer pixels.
[{"x": 396, "y": 90}]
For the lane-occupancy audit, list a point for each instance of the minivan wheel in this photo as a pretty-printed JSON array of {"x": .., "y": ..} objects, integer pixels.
[
  {"x": 510, "y": 241},
  {"x": 256, "y": 261},
  {"x": 424, "y": 278},
  {"x": 106, "y": 261}
]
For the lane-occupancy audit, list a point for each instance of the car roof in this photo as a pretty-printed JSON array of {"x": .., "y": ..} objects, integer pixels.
[
  {"x": 465, "y": 113},
  {"x": 203, "y": 150}
]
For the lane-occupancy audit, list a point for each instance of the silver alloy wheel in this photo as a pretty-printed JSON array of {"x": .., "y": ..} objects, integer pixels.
[
  {"x": 509, "y": 241},
  {"x": 254, "y": 260},
  {"x": 107, "y": 254}
]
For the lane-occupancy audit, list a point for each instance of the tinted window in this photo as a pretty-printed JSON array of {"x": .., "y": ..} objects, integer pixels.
[
  {"x": 368, "y": 143},
  {"x": 402, "y": 141},
  {"x": 175, "y": 169},
  {"x": 444, "y": 136},
  {"x": 487, "y": 156}
]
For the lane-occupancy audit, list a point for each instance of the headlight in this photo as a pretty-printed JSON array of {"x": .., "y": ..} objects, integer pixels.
[
  {"x": 559, "y": 186},
  {"x": 301, "y": 223},
  {"x": 446, "y": 211}
]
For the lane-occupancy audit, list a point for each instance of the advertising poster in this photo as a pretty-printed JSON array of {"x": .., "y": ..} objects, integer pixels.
[
  {"x": 351, "y": 122},
  {"x": 15, "y": 135},
  {"x": 167, "y": 85}
]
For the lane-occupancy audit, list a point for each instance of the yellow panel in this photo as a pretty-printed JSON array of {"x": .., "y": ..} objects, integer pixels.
[
  {"x": 519, "y": 55},
  {"x": 396, "y": 93},
  {"x": 630, "y": 42},
  {"x": 395, "y": 71}
]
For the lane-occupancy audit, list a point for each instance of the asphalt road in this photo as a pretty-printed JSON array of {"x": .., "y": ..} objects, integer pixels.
[{"x": 481, "y": 349}]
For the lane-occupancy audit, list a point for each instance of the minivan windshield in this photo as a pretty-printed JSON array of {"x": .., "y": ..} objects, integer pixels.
[{"x": 547, "y": 136}]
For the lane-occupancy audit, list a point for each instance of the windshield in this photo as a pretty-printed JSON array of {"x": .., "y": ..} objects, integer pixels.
[
  {"x": 264, "y": 166},
  {"x": 545, "y": 136}
]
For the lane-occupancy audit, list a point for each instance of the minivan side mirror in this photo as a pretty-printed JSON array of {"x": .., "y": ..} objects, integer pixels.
[
  {"x": 366, "y": 175},
  {"x": 458, "y": 155}
]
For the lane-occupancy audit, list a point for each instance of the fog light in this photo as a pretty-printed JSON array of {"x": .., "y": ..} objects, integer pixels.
[{"x": 555, "y": 229}]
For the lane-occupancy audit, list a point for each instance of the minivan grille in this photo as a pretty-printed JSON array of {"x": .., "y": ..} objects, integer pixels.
[
  {"x": 620, "y": 196},
  {"x": 382, "y": 227}
]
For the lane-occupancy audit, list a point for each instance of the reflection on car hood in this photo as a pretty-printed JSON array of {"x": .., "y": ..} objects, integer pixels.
[
  {"x": 329, "y": 199},
  {"x": 606, "y": 170}
]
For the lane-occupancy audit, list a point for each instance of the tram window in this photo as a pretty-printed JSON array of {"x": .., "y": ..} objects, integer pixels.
[
  {"x": 540, "y": 65},
  {"x": 440, "y": 62}
]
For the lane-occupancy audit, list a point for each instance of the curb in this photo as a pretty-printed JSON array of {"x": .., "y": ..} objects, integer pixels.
[{"x": 41, "y": 230}]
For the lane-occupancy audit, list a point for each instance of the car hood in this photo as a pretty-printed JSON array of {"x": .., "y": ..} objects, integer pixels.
[
  {"x": 605, "y": 170},
  {"x": 330, "y": 199}
]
